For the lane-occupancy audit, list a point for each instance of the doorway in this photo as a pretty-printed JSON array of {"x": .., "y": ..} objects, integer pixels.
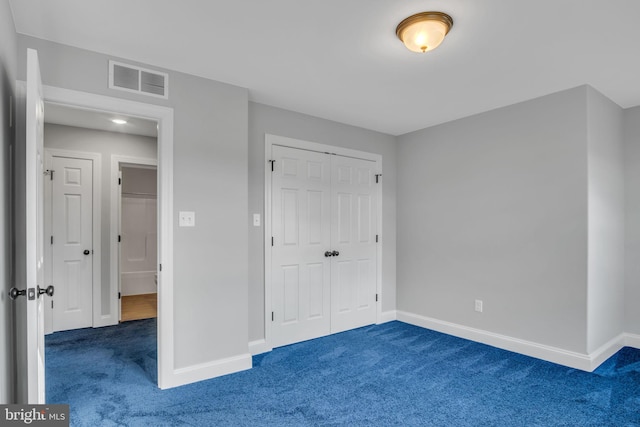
[
  {"x": 163, "y": 116},
  {"x": 76, "y": 189},
  {"x": 137, "y": 261}
]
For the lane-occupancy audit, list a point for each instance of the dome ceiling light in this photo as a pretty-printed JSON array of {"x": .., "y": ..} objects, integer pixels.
[{"x": 424, "y": 31}]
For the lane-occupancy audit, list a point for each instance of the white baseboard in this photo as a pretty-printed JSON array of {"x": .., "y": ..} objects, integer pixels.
[
  {"x": 104, "y": 320},
  {"x": 632, "y": 340},
  {"x": 208, "y": 370},
  {"x": 585, "y": 362},
  {"x": 388, "y": 316},
  {"x": 606, "y": 351},
  {"x": 259, "y": 347}
]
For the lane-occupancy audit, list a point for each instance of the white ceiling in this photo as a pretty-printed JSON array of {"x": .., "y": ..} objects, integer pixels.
[
  {"x": 68, "y": 116},
  {"x": 341, "y": 60}
]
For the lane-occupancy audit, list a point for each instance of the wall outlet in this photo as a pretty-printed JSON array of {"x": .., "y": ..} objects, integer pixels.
[
  {"x": 256, "y": 220},
  {"x": 479, "y": 305},
  {"x": 187, "y": 219}
]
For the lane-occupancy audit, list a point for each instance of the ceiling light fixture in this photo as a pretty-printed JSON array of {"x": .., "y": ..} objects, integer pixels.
[
  {"x": 424, "y": 31},
  {"x": 119, "y": 121}
]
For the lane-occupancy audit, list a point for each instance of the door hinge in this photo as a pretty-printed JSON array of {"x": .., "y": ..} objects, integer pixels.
[
  {"x": 52, "y": 240},
  {"x": 271, "y": 240},
  {"x": 119, "y": 238},
  {"x": 376, "y": 238},
  {"x": 272, "y": 163},
  {"x": 160, "y": 267},
  {"x": 378, "y": 177},
  {"x": 119, "y": 181},
  {"x": 119, "y": 295},
  {"x": 272, "y": 316},
  {"x": 376, "y": 297}
]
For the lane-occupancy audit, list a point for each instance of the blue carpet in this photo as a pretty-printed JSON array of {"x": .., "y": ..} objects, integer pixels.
[{"x": 387, "y": 375}]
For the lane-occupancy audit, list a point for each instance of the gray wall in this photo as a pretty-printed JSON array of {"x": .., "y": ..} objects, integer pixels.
[
  {"x": 605, "y": 296},
  {"x": 494, "y": 207},
  {"x": 631, "y": 137},
  {"x": 107, "y": 144},
  {"x": 210, "y": 178},
  {"x": 8, "y": 64},
  {"x": 263, "y": 120}
]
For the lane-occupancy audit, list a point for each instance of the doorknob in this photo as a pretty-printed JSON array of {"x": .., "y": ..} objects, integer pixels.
[
  {"x": 14, "y": 293},
  {"x": 335, "y": 253},
  {"x": 86, "y": 252},
  {"x": 328, "y": 254},
  {"x": 48, "y": 291}
]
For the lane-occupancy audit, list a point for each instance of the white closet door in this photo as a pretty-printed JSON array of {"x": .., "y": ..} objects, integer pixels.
[
  {"x": 301, "y": 215},
  {"x": 353, "y": 236}
]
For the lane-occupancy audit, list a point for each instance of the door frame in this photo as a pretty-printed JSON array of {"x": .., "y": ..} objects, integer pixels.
[
  {"x": 167, "y": 376},
  {"x": 96, "y": 245},
  {"x": 116, "y": 205},
  {"x": 270, "y": 141}
]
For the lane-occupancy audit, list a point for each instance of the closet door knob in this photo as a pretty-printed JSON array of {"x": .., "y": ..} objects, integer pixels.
[
  {"x": 328, "y": 254},
  {"x": 335, "y": 253},
  {"x": 86, "y": 252}
]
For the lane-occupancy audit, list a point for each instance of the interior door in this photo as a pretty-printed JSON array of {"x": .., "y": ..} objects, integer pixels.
[
  {"x": 72, "y": 243},
  {"x": 301, "y": 218},
  {"x": 353, "y": 243},
  {"x": 30, "y": 256}
]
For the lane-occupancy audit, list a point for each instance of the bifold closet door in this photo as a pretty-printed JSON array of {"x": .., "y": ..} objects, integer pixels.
[{"x": 301, "y": 216}]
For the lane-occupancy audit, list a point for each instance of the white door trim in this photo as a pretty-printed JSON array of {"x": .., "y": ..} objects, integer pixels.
[
  {"x": 271, "y": 140},
  {"x": 167, "y": 375},
  {"x": 96, "y": 158},
  {"x": 116, "y": 161}
]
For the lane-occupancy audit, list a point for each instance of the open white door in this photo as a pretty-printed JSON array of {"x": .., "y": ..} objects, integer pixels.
[{"x": 28, "y": 300}]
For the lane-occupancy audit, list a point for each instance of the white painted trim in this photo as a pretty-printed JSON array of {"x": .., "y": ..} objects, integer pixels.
[
  {"x": 216, "y": 368},
  {"x": 605, "y": 351},
  {"x": 270, "y": 141},
  {"x": 632, "y": 340},
  {"x": 560, "y": 356},
  {"x": 164, "y": 116},
  {"x": 48, "y": 252},
  {"x": 96, "y": 158},
  {"x": 114, "y": 215},
  {"x": 322, "y": 148},
  {"x": 259, "y": 347},
  {"x": 388, "y": 316},
  {"x": 267, "y": 243}
]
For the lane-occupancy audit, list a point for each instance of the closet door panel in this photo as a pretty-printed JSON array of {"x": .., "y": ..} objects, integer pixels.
[
  {"x": 353, "y": 271},
  {"x": 301, "y": 235}
]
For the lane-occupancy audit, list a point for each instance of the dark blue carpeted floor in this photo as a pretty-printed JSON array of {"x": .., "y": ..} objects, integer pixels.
[{"x": 388, "y": 375}]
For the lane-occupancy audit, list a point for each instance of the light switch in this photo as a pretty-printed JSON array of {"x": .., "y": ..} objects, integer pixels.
[
  {"x": 256, "y": 220},
  {"x": 187, "y": 219}
]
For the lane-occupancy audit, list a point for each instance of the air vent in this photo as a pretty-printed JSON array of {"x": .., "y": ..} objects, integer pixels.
[{"x": 138, "y": 80}]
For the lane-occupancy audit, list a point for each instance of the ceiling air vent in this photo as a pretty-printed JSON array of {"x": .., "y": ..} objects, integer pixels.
[{"x": 138, "y": 80}]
